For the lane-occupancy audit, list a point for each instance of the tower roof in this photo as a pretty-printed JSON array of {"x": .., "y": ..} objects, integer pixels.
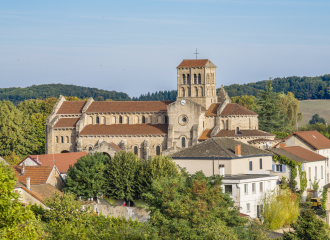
[{"x": 195, "y": 63}]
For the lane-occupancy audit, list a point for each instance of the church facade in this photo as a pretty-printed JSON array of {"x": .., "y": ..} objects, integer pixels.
[{"x": 150, "y": 128}]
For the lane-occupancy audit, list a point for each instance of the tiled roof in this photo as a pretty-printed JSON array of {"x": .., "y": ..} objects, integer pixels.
[
  {"x": 262, "y": 140},
  {"x": 129, "y": 106},
  {"x": 66, "y": 122},
  {"x": 243, "y": 133},
  {"x": 115, "y": 146},
  {"x": 218, "y": 148},
  {"x": 212, "y": 111},
  {"x": 125, "y": 129},
  {"x": 314, "y": 138},
  {"x": 40, "y": 192},
  {"x": 71, "y": 107},
  {"x": 37, "y": 174},
  {"x": 62, "y": 160},
  {"x": 280, "y": 151},
  {"x": 236, "y": 109},
  {"x": 205, "y": 135},
  {"x": 300, "y": 152},
  {"x": 193, "y": 63}
]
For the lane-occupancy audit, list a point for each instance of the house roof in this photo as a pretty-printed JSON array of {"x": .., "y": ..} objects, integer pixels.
[
  {"x": 62, "y": 160},
  {"x": 125, "y": 129},
  {"x": 205, "y": 135},
  {"x": 243, "y": 133},
  {"x": 300, "y": 154},
  {"x": 37, "y": 174},
  {"x": 40, "y": 192},
  {"x": 129, "y": 106},
  {"x": 212, "y": 111},
  {"x": 259, "y": 140},
  {"x": 71, "y": 107},
  {"x": 219, "y": 148},
  {"x": 193, "y": 63},
  {"x": 66, "y": 122},
  {"x": 115, "y": 146},
  {"x": 230, "y": 109}
]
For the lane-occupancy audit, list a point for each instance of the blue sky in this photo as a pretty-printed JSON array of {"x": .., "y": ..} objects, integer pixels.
[{"x": 135, "y": 46}]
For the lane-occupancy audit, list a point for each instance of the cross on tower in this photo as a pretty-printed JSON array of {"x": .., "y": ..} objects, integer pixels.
[{"x": 196, "y": 53}]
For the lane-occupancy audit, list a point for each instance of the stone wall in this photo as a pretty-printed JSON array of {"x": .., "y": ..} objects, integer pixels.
[{"x": 56, "y": 180}]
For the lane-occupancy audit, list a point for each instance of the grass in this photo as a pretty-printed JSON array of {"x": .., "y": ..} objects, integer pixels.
[
  {"x": 311, "y": 107},
  {"x": 140, "y": 204},
  {"x": 110, "y": 200}
]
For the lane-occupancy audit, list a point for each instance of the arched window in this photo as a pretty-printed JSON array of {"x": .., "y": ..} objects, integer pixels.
[
  {"x": 67, "y": 139},
  {"x": 120, "y": 119},
  {"x": 183, "y": 142},
  {"x": 237, "y": 130},
  {"x": 188, "y": 90},
  {"x": 188, "y": 78},
  {"x": 97, "y": 120},
  {"x": 183, "y": 93},
  {"x": 199, "y": 79},
  {"x": 62, "y": 139},
  {"x": 223, "y": 124},
  {"x": 136, "y": 150},
  {"x": 104, "y": 120},
  {"x": 166, "y": 119},
  {"x": 227, "y": 124},
  {"x": 195, "y": 78},
  {"x": 90, "y": 149},
  {"x": 158, "y": 150},
  {"x": 143, "y": 119},
  {"x": 127, "y": 121},
  {"x": 196, "y": 92},
  {"x": 184, "y": 78},
  {"x": 56, "y": 139},
  {"x": 201, "y": 91}
]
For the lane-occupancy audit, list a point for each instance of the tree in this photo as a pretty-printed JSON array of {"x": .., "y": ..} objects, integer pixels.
[
  {"x": 192, "y": 207},
  {"x": 16, "y": 221},
  {"x": 121, "y": 174},
  {"x": 249, "y": 102},
  {"x": 155, "y": 168},
  {"x": 17, "y": 133},
  {"x": 316, "y": 119},
  {"x": 308, "y": 227},
  {"x": 86, "y": 176},
  {"x": 281, "y": 207},
  {"x": 12, "y": 158},
  {"x": 271, "y": 117},
  {"x": 290, "y": 108}
]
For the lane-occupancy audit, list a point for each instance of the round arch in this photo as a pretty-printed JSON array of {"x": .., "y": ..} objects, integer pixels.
[
  {"x": 65, "y": 151},
  {"x": 107, "y": 154}
]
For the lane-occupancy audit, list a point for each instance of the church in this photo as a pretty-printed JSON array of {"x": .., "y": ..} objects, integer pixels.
[{"x": 150, "y": 128}]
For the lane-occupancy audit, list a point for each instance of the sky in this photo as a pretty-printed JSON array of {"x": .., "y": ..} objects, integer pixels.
[{"x": 135, "y": 46}]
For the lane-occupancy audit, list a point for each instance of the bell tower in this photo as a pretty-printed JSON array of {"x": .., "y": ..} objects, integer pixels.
[{"x": 197, "y": 81}]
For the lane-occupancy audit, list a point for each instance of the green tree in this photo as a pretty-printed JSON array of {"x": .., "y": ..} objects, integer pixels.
[
  {"x": 17, "y": 133},
  {"x": 271, "y": 117},
  {"x": 308, "y": 227},
  {"x": 316, "y": 119},
  {"x": 290, "y": 108},
  {"x": 155, "y": 168},
  {"x": 16, "y": 221},
  {"x": 39, "y": 121},
  {"x": 86, "y": 177},
  {"x": 121, "y": 174},
  {"x": 12, "y": 158},
  {"x": 192, "y": 207},
  {"x": 249, "y": 102}
]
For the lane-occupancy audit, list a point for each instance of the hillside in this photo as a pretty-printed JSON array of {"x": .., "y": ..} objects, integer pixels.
[
  {"x": 311, "y": 107},
  {"x": 16, "y": 95}
]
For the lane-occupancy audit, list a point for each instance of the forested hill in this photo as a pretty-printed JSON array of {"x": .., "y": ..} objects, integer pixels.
[
  {"x": 302, "y": 87},
  {"x": 16, "y": 95}
]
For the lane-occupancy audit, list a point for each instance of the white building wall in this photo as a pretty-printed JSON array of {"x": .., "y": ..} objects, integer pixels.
[{"x": 313, "y": 171}]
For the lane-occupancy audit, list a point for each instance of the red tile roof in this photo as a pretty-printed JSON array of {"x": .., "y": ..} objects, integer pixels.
[
  {"x": 66, "y": 122},
  {"x": 71, "y": 107},
  {"x": 129, "y": 106},
  {"x": 304, "y": 153},
  {"x": 212, "y": 111},
  {"x": 193, "y": 63},
  {"x": 205, "y": 135},
  {"x": 125, "y": 129},
  {"x": 62, "y": 160},
  {"x": 42, "y": 191},
  {"x": 244, "y": 133},
  {"x": 314, "y": 138},
  {"x": 236, "y": 109},
  {"x": 115, "y": 146},
  {"x": 37, "y": 174}
]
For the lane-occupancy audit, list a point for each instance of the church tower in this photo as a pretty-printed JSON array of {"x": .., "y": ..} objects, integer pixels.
[{"x": 197, "y": 81}]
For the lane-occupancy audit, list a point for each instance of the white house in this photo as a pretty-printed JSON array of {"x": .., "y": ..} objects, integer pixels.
[{"x": 246, "y": 170}]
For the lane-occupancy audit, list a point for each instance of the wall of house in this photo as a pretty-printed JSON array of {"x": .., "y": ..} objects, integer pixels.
[
  {"x": 29, "y": 162},
  {"x": 27, "y": 198},
  {"x": 310, "y": 173},
  {"x": 56, "y": 180}
]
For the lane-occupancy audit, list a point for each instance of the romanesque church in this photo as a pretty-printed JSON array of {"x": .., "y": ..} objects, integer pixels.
[{"x": 150, "y": 128}]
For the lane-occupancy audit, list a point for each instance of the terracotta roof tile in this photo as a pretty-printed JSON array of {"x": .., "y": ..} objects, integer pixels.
[
  {"x": 37, "y": 174},
  {"x": 62, "y": 160},
  {"x": 193, "y": 63},
  {"x": 129, "y": 106},
  {"x": 42, "y": 191},
  {"x": 212, "y": 111},
  {"x": 244, "y": 133},
  {"x": 314, "y": 138},
  {"x": 66, "y": 122},
  {"x": 304, "y": 153},
  {"x": 71, "y": 107},
  {"x": 125, "y": 129},
  {"x": 205, "y": 135},
  {"x": 115, "y": 146},
  {"x": 236, "y": 109}
]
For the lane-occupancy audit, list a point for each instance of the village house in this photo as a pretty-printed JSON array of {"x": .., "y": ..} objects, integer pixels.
[
  {"x": 62, "y": 161},
  {"x": 246, "y": 170}
]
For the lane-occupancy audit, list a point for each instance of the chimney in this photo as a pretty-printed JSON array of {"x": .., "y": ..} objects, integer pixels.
[
  {"x": 23, "y": 169},
  {"x": 28, "y": 186},
  {"x": 238, "y": 151},
  {"x": 282, "y": 145}
]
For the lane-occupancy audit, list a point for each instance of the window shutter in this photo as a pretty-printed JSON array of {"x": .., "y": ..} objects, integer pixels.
[
  {"x": 283, "y": 168},
  {"x": 303, "y": 167},
  {"x": 273, "y": 166}
]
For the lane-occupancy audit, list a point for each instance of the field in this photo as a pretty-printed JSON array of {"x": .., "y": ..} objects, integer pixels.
[{"x": 311, "y": 107}]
